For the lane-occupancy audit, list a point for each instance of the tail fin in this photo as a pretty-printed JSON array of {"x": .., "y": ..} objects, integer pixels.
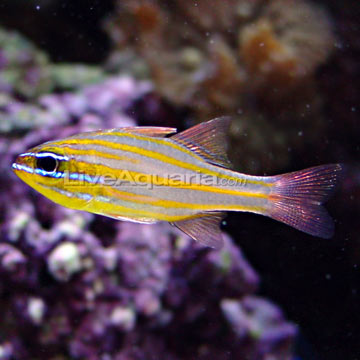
[{"x": 296, "y": 199}]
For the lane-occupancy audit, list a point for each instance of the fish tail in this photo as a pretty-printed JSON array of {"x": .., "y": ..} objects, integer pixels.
[{"x": 296, "y": 199}]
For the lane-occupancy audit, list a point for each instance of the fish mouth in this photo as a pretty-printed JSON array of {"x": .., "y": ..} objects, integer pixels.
[{"x": 23, "y": 165}]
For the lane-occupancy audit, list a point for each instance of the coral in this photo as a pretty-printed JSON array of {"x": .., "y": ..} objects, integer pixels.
[
  {"x": 261, "y": 320},
  {"x": 73, "y": 76},
  {"x": 75, "y": 285},
  {"x": 286, "y": 45},
  {"x": 64, "y": 261},
  {"x": 92, "y": 102},
  {"x": 23, "y": 68},
  {"x": 26, "y": 71},
  {"x": 255, "y": 60}
]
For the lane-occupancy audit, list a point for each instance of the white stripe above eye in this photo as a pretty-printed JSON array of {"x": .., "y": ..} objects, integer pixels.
[
  {"x": 27, "y": 154},
  {"x": 46, "y": 154}
]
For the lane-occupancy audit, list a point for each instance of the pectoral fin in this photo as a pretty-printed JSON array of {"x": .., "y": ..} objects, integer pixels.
[{"x": 205, "y": 229}]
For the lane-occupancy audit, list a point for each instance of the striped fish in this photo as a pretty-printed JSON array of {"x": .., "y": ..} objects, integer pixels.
[{"x": 151, "y": 174}]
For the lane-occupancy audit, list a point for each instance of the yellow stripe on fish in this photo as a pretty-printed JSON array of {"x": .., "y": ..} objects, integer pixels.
[
  {"x": 128, "y": 211},
  {"x": 153, "y": 155}
]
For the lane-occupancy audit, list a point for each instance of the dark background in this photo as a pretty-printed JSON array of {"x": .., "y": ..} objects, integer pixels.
[{"x": 315, "y": 281}]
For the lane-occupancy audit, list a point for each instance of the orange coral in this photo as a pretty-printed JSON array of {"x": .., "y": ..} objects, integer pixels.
[
  {"x": 287, "y": 43},
  {"x": 266, "y": 57},
  {"x": 147, "y": 16}
]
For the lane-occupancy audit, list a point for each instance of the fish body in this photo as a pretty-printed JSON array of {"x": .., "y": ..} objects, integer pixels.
[{"x": 151, "y": 174}]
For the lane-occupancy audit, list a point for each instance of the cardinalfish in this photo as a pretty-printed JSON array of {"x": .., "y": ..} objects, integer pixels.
[{"x": 152, "y": 174}]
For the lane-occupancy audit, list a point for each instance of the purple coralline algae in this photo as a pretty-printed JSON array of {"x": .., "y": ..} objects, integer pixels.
[{"x": 75, "y": 285}]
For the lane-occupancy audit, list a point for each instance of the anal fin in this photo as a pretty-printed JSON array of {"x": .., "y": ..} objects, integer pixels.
[{"x": 205, "y": 229}]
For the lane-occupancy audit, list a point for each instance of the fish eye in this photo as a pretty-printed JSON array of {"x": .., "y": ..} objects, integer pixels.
[{"x": 46, "y": 162}]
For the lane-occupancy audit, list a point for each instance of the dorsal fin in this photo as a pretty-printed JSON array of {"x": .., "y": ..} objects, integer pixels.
[
  {"x": 153, "y": 131},
  {"x": 205, "y": 229},
  {"x": 208, "y": 140}
]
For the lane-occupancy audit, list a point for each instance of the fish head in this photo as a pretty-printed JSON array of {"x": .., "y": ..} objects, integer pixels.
[
  {"x": 41, "y": 165},
  {"x": 45, "y": 168}
]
